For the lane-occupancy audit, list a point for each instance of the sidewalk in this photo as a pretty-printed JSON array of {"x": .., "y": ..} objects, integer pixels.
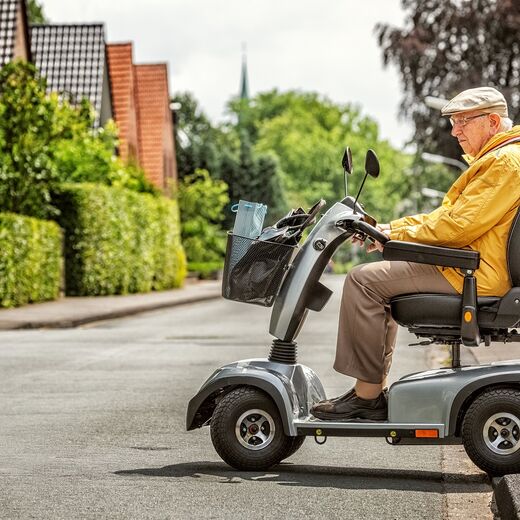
[{"x": 74, "y": 311}]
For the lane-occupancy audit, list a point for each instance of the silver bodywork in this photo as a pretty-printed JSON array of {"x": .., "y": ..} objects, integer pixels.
[
  {"x": 426, "y": 400},
  {"x": 289, "y": 310}
]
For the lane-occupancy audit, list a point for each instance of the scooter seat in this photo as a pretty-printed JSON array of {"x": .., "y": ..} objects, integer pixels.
[{"x": 440, "y": 310}]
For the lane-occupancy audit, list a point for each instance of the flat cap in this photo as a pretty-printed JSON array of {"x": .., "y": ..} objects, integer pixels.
[{"x": 484, "y": 99}]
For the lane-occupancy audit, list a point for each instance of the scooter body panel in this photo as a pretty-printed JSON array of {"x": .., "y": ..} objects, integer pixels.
[
  {"x": 301, "y": 289},
  {"x": 294, "y": 389},
  {"x": 437, "y": 396},
  {"x": 424, "y": 400}
]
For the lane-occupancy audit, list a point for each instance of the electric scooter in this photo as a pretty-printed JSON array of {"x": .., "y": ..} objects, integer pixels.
[{"x": 258, "y": 410}]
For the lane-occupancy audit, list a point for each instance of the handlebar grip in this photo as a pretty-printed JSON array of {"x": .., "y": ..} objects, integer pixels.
[{"x": 371, "y": 231}]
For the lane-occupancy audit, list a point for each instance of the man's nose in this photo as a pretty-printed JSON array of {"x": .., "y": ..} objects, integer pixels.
[{"x": 456, "y": 131}]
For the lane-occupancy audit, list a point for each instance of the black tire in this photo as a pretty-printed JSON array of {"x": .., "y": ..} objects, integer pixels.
[
  {"x": 296, "y": 445},
  {"x": 239, "y": 411},
  {"x": 491, "y": 431}
]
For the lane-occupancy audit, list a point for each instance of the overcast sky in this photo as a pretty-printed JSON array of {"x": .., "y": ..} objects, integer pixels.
[{"x": 328, "y": 47}]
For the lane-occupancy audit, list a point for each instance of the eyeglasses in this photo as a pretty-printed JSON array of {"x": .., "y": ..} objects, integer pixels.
[{"x": 463, "y": 121}]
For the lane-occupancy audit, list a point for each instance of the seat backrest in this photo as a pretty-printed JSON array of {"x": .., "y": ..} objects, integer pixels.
[{"x": 513, "y": 251}]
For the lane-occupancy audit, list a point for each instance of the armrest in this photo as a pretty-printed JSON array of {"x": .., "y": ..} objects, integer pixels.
[{"x": 434, "y": 255}]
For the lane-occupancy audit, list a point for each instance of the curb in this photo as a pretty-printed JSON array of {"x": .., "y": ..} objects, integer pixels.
[
  {"x": 67, "y": 323},
  {"x": 506, "y": 489},
  {"x": 507, "y": 496}
]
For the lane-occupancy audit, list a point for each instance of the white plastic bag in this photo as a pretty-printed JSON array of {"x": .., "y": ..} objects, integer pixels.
[{"x": 249, "y": 220}]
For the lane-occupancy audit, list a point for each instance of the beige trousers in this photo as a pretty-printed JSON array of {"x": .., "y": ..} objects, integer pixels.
[{"x": 367, "y": 332}]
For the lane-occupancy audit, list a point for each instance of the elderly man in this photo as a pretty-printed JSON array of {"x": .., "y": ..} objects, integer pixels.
[{"x": 476, "y": 213}]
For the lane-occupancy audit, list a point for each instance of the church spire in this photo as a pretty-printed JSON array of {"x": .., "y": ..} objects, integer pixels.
[{"x": 244, "y": 87}]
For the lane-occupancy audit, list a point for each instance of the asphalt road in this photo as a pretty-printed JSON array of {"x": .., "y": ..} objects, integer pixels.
[{"x": 92, "y": 426}]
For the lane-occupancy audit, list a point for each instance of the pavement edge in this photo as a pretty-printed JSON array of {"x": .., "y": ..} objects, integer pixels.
[{"x": 507, "y": 496}]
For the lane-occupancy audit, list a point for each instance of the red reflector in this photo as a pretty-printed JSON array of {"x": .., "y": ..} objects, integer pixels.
[{"x": 431, "y": 434}]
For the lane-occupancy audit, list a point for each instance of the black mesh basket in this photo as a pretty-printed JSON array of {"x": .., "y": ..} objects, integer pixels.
[{"x": 254, "y": 270}]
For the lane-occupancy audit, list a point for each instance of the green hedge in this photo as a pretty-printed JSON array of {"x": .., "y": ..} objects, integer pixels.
[
  {"x": 118, "y": 241},
  {"x": 30, "y": 260}
]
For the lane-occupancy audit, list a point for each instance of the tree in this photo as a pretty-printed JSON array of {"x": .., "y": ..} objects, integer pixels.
[
  {"x": 254, "y": 177},
  {"x": 45, "y": 141},
  {"x": 448, "y": 46},
  {"x": 28, "y": 126},
  {"x": 226, "y": 152},
  {"x": 307, "y": 134},
  {"x": 35, "y": 12},
  {"x": 201, "y": 202},
  {"x": 196, "y": 140}
]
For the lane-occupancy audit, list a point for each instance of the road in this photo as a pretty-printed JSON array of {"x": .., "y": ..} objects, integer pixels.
[{"x": 92, "y": 426}]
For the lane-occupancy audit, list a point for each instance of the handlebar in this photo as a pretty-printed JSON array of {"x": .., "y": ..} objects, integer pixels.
[{"x": 371, "y": 231}]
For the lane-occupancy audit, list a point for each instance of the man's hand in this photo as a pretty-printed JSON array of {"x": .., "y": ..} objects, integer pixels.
[{"x": 375, "y": 245}]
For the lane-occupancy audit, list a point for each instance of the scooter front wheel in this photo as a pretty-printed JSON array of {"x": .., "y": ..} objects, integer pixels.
[
  {"x": 491, "y": 431},
  {"x": 247, "y": 432}
]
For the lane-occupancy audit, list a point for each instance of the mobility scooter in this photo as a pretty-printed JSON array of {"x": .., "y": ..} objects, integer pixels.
[{"x": 258, "y": 410}]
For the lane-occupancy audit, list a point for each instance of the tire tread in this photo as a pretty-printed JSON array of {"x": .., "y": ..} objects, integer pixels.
[
  {"x": 226, "y": 444},
  {"x": 497, "y": 398}
]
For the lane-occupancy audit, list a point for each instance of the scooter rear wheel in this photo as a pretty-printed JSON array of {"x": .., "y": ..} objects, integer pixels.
[
  {"x": 247, "y": 432},
  {"x": 491, "y": 431}
]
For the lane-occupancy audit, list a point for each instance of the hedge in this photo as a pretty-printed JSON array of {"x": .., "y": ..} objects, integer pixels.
[
  {"x": 30, "y": 260},
  {"x": 118, "y": 241}
]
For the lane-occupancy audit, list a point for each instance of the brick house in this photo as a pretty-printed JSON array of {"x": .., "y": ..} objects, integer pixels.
[
  {"x": 142, "y": 112},
  {"x": 77, "y": 63}
]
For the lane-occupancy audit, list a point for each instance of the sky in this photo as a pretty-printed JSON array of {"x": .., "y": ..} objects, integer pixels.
[{"x": 328, "y": 47}]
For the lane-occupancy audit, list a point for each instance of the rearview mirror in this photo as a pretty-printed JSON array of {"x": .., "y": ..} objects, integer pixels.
[
  {"x": 372, "y": 164},
  {"x": 346, "y": 162}
]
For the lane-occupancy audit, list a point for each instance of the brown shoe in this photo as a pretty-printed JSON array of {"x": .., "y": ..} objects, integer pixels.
[{"x": 350, "y": 407}]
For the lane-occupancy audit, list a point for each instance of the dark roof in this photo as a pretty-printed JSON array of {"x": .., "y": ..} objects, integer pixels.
[
  {"x": 8, "y": 19},
  {"x": 72, "y": 58}
]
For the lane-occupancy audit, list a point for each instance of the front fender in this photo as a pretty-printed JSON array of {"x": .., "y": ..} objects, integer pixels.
[{"x": 293, "y": 388}]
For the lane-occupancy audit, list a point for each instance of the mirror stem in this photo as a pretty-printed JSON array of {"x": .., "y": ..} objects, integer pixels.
[{"x": 359, "y": 192}]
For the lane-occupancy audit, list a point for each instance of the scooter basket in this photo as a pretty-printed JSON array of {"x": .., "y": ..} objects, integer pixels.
[{"x": 254, "y": 269}]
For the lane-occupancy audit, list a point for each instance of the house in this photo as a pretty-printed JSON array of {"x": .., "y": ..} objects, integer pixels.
[
  {"x": 14, "y": 32},
  {"x": 142, "y": 112},
  {"x": 77, "y": 63},
  {"x": 73, "y": 60},
  {"x": 122, "y": 79}
]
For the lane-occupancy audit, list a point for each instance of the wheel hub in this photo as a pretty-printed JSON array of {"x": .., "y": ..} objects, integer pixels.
[
  {"x": 255, "y": 429},
  {"x": 501, "y": 433}
]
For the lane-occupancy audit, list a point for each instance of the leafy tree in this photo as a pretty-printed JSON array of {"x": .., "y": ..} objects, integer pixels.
[
  {"x": 226, "y": 152},
  {"x": 44, "y": 141},
  {"x": 201, "y": 203},
  {"x": 28, "y": 126},
  {"x": 254, "y": 177},
  {"x": 196, "y": 140},
  {"x": 447, "y": 46},
  {"x": 307, "y": 133},
  {"x": 35, "y": 12},
  {"x": 87, "y": 155}
]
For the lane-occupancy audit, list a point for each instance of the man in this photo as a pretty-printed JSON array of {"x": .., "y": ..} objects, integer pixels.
[{"x": 476, "y": 213}]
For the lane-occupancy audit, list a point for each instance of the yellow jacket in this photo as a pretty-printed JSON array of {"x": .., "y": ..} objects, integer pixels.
[{"x": 476, "y": 213}]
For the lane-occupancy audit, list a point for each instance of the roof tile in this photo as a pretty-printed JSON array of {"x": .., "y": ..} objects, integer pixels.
[{"x": 72, "y": 58}]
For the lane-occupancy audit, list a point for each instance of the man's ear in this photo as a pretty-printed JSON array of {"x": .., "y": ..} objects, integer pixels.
[{"x": 495, "y": 121}]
